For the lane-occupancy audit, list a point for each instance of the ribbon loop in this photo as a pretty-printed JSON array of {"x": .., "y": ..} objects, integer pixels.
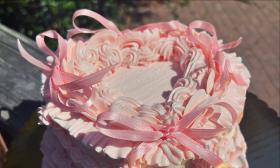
[
  {"x": 99, "y": 18},
  {"x": 199, "y": 24},
  {"x": 192, "y": 113},
  {"x": 61, "y": 49},
  {"x": 40, "y": 41},
  {"x": 208, "y": 27}
]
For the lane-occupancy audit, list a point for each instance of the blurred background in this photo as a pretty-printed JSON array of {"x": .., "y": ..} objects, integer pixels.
[{"x": 257, "y": 21}]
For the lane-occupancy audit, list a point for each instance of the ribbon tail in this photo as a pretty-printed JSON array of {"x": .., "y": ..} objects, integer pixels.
[
  {"x": 230, "y": 45},
  {"x": 87, "y": 81},
  {"x": 31, "y": 59},
  {"x": 198, "y": 149},
  {"x": 204, "y": 133},
  {"x": 210, "y": 81},
  {"x": 129, "y": 135},
  {"x": 130, "y": 122}
]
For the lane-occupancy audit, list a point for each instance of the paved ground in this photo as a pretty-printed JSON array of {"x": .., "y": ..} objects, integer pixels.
[{"x": 257, "y": 22}]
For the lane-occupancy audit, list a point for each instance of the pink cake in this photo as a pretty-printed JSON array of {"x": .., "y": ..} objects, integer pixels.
[{"x": 160, "y": 95}]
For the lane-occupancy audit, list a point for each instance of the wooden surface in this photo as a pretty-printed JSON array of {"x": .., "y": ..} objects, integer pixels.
[{"x": 19, "y": 83}]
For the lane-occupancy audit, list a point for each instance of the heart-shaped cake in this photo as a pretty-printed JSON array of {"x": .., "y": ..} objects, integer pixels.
[{"x": 160, "y": 95}]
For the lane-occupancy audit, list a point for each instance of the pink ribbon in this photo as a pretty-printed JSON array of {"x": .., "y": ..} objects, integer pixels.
[
  {"x": 213, "y": 48},
  {"x": 57, "y": 56},
  {"x": 58, "y": 79},
  {"x": 118, "y": 126},
  {"x": 62, "y": 47},
  {"x": 32, "y": 60},
  {"x": 208, "y": 27},
  {"x": 85, "y": 12}
]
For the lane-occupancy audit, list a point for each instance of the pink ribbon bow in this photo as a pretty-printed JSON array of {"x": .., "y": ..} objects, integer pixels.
[
  {"x": 58, "y": 78},
  {"x": 136, "y": 129},
  {"x": 212, "y": 49},
  {"x": 212, "y": 46}
]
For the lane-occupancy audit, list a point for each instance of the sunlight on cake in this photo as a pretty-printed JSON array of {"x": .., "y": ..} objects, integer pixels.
[{"x": 139, "y": 82}]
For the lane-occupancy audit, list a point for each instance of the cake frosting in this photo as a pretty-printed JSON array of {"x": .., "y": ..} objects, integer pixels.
[
  {"x": 62, "y": 150},
  {"x": 159, "y": 95}
]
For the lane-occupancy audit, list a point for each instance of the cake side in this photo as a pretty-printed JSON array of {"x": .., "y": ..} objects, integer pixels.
[{"x": 62, "y": 150}]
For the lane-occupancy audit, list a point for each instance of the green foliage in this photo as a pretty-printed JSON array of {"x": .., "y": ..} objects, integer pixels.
[{"x": 31, "y": 17}]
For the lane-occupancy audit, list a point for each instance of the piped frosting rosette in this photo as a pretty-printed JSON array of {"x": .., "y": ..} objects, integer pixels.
[{"x": 202, "y": 110}]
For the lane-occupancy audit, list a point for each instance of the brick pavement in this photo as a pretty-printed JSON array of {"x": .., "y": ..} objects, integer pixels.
[{"x": 257, "y": 22}]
